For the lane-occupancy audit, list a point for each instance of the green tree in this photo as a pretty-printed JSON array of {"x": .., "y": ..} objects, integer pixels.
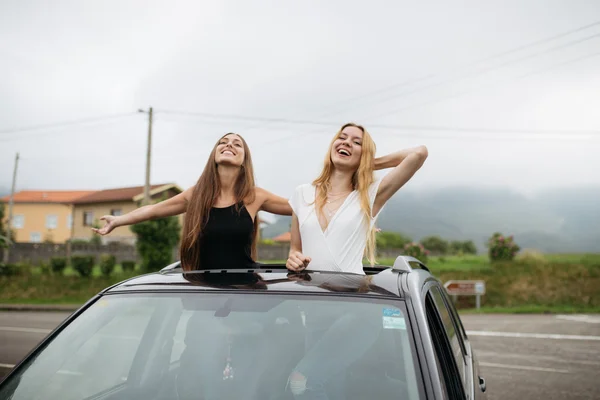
[
  {"x": 391, "y": 240},
  {"x": 435, "y": 245},
  {"x": 156, "y": 240},
  {"x": 6, "y": 234},
  {"x": 460, "y": 247},
  {"x": 469, "y": 247}
]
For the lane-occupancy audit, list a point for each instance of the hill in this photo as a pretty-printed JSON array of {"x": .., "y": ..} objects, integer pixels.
[{"x": 553, "y": 221}]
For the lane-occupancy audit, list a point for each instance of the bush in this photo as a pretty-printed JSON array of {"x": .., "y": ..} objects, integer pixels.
[
  {"x": 391, "y": 240},
  {"x": 107, "y": 264},
  {"x": 10, "y": 270},
  {"x": 435, "y": 244},
  {"x": 155, "y": 242},
  {"x": 79, "y": 242},
  {"x": 468, "y": 247},
  {"x": 128, "y": 265},
  {"x": 532, "y": 257},
  {"x": 58, "y": 264},
  {"x": 502, "y": 248},
  {"x": 96, "y": 239},
  {"x": 416, "y": 250},
  {"x": 45, "y": 268},
  {"x": 84, "y": 265},
  {"x": 4, "y": 242}
]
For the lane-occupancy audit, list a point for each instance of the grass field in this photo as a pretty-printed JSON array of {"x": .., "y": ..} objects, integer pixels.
[{"x": 533, "y": 283}]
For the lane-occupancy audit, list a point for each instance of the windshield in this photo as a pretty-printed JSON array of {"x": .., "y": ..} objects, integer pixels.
[{"x": 251, "y": 346}]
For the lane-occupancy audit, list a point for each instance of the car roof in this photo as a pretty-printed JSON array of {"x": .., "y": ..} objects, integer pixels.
[{"x": 379, "y": 280}]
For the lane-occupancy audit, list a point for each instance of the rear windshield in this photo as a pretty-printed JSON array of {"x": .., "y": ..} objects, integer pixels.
[{"x": 224, "y": 346}]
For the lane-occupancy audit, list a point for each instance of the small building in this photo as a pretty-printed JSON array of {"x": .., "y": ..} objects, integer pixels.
[
  {"x": 88, "y": 209},
  {"x": 43, "y": 215},
  {"x": 57, "y": 215}
]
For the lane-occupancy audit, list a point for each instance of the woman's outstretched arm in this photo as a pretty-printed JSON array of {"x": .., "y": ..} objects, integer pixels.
[
  {"x": 174, "y": 206},
  {"x": 273, "y": 204}
]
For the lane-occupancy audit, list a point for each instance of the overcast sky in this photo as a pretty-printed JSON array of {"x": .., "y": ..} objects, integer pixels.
[{"x": 405, "y": 64}]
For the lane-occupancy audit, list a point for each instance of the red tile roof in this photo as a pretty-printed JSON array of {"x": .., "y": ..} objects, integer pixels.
[
  {"x": 47, "y": 196},
  {"x": 82, "y": 196},
  {"x": 284, "y": 237},
  {"x": 122, "y": 194}
]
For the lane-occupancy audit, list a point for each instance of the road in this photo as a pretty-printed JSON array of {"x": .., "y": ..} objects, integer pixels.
[
  {"x": 537, "y": 356},
  {"x": 522, "y": 356}
]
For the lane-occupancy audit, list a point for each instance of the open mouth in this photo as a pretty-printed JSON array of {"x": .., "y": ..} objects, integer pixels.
[
  {"x": 228, "y": 152},
  {"x": 343, "y": 152}
]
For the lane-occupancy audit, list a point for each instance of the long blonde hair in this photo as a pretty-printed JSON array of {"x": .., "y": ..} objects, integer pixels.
[{"x": 362, "y": 179}]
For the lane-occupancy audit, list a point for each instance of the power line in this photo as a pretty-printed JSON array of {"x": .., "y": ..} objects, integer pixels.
[
  {"x": 492, "y": 57},
  {"x": 459, "y": 94},
  {"x": 386, "y": 126},
  {"x": 433, "y": 75},
  {"x": 65, "y": 123},
  {"x": 453, "y": 138},
  {"x": 484, "y": 70},
  {"x": 235, "y": 117},
  {"x": 492, "y": 130},
  {"x": 57, "y": 125}
]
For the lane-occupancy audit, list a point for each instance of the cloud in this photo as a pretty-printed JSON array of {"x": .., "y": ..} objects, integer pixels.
[{"x": 333, "y": 62}]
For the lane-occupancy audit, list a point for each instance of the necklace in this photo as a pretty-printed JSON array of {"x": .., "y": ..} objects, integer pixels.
[{"x": 335, "y": 197}]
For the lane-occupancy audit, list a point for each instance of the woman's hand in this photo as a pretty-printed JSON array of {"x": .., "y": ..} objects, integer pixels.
[
  {"x": 111, "y": 223},
  {"x": 297, "y": 261}
]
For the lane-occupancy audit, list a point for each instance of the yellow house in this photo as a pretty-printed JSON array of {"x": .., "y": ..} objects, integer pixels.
[
  {"x": 57, "y": 216},
  {"x": 40, "y": 216},
  {"x": 88, "y": 209}
]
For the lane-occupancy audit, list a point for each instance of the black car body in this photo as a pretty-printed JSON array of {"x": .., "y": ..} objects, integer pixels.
[{"x": 241, "y": 333}]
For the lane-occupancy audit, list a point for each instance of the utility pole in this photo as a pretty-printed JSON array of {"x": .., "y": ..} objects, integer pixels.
[
  {"x": 148, "y": 157},
  {"x": 10, "y": 208}
]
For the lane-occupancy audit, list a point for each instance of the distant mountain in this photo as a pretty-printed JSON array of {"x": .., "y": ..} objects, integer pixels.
[
  {"x": 4, "y": 191},
  {"x": 559, "y": 220}
]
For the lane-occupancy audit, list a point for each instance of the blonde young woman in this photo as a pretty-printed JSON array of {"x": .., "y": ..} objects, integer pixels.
[
  {"x": 333, "y": 224},
  {"x": 333, "y": 218}
]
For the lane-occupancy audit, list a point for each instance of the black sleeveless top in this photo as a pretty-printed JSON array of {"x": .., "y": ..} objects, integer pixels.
[{"x": 227, "y": 239}]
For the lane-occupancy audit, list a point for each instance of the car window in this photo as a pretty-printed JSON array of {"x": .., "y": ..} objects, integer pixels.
[
  {"x": 451, "y": 384},
  {"x": 461, "y": 329},
  {"x": 455, "y": 340},
  {"x": 92, "y": 354},
  {"x": 225, "y": 346},
  {"x": 441, "y": 374}
]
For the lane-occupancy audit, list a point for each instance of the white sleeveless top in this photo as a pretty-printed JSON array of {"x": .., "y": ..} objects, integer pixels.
[{"x": 342, "y": 245}]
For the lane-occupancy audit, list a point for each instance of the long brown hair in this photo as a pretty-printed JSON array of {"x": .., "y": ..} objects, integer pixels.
[
  {"x": 362, "y": 178},
  {"x": 204, "y": 196}
]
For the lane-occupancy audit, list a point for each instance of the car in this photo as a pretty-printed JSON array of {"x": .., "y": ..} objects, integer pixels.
[{"x": 392, "y": 333}]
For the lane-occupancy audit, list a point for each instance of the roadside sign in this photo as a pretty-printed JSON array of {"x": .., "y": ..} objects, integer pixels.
[{"x": 465, "y": 288}]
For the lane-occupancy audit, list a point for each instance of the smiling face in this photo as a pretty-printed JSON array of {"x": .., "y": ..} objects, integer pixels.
[
  {"x": 346, "y": 149},
  {"x": 230, "y": 150}
]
